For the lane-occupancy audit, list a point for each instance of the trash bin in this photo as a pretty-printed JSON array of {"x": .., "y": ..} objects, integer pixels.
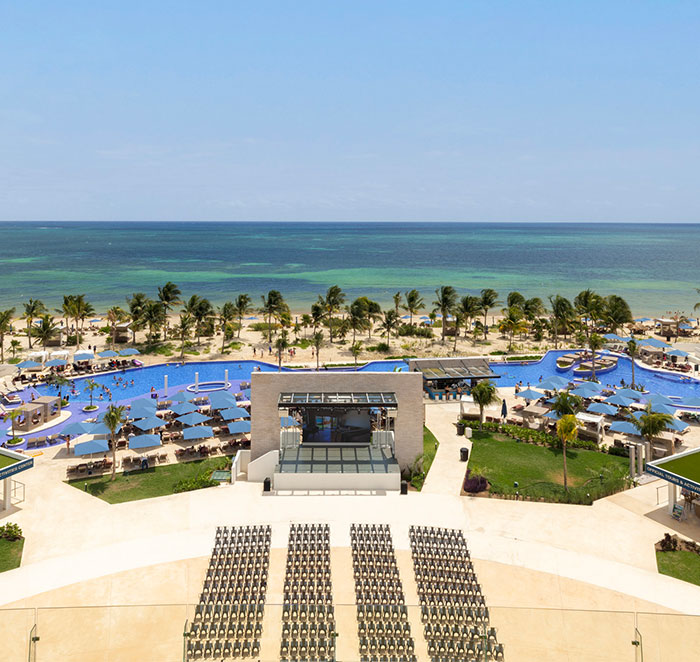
[
  {"x": 267, "y": 485},
  {"x": 463, "y": 454},
  {"x": 144, "y": 464},
  {"x": 404, "y": 487},
  {"x": 460, "y": 429}
]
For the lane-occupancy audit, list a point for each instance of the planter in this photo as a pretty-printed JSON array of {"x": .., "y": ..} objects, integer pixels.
[
  {"x": 90, "y": 408},
  {"x": 14, "y": 441}
]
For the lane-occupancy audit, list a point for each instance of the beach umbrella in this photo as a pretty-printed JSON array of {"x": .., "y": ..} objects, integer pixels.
[
  {"x": 150, "y": 423},
  {"x": 553, "y": 383},
  {"x": 602, "y": 408},
  {"x": 653, "y": 342},
  {"x": 193, "y": 418},
  {"x": 222, "y": 400},
  {"x": 245, "y": 393},
  {"x": 584, "y": 392},
  {"x": 677, "y": 352},
  {"x": 676, "y": 425},
  {"x": 553, "y": 415},
  {"x": 233, "y": 413},
  {"x": 658, "y": 399},
  {"x": 76, "y": 428},
  {"x": 107, "y": 354},
  {"x": 145, "y": 441},
  {"x": 251, "y": 318},
  {"x": 83, "y": 356},
  {"x": 199, "y": 432},
  {"x": 629, "y": 393},
  {"x": 619, "y": 400},
  {"x": 90, "y": 447},
  {"x": 529, "y": 394},
  {"x": 94, "y": 321},
  {"x": 239, "y": 427},
  {"x": 643, "y": 319},
  {"x": 625, "y": 427},
  {"x": 101, "y": 428},
  {"x": 181, "y": 396},
  {"x": 28, "y": 364},
  {"x": 53, "y": 363},
  {"x": 129, "y": 351},
  {"x": 692, "y": 402},
  {"x": 288, "y": 422},
  {"x": 612, "y": 336},
  {"x": 504, "y": 409},
  {"x": 660, "y": 408},
  {"x": 685, "y": 327},
  {"x": 593, "y": 386},
  {"x": 182, "y": 408}
]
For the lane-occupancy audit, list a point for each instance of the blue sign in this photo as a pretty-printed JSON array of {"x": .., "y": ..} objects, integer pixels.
[
  {"x": 17, "y": 467},
  {"x": 686, "y": 484}
]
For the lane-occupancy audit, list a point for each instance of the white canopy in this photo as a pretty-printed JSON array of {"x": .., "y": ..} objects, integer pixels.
[
  {"x": 38, "y": 355},
  {"x": 59, "y": 354},
  {"x": 585, "y": 417}
]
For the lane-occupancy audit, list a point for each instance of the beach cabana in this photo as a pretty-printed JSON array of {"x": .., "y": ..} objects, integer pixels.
[
  {"x": 150, "y": 423},
  {"x": 199, "y": 432},
  {"x": 90, "y": 447},
  {"x": 239, "y": 427},
  {"x": 144, "y": 441},
  {"x": 193, "y": 418}
]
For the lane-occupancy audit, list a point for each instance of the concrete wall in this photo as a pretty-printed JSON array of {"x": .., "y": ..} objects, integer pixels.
[
  {"x": 325, "y": 482},
  {"x": 263, "y": 466},
  {"x": 408, "y": 387}
]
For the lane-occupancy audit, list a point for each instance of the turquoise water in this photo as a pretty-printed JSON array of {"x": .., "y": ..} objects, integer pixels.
[{"x": 652, "y": 266}]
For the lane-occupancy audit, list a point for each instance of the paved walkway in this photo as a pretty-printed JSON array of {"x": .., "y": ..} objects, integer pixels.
[{"x": 447, "y": 472}]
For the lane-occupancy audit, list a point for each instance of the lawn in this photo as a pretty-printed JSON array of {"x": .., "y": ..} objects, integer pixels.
[
  {"x": 10, "y": 553},
  {"x": 539, "y": 470},
  {"x": 681, "y": 565},
  {"x": 7, "y": 461},
  {"x": 430, "y": 444},
  {"x": 155, "y": 482},
  {"x": 688, "y": 466}
]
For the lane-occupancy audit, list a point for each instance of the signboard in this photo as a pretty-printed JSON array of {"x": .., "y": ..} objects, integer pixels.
[
  {"x": 673, "y": 478},
  {"x": 677, "y": 512},
  {"x": 16, "y": 468}
]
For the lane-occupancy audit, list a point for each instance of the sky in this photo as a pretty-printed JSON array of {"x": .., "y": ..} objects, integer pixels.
[{"x": 350, "y": 110}]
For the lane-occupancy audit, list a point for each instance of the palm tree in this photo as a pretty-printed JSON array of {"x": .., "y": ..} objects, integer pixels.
[
  {"x": 76, "y": 307},
  {"x": 183, "y": 330},
  {"x": 137, "y": 307},
  {"x": 332, "y": 302},
  {"x": 515, "y": 300},
  {"x": 566, "y": 404},
  {"x": 533, "y": 309},
  {"x": 153, "y": 318},
  {"x": 397, "y": 302},
  {"x": 489, "y": 299},
  {"x": 389, "y": 323},
  {"x": 445, "y": 302},
  {"x": 459, "y": 318},
  {"x": 281, "y": 344},
  {"x": 60, "y": 381},
  {"x": 589, "y": 307},
  {"x": 91, "y": 386},
  {"x": 697, "y": 305},
  {"x": 469, "y": 307},
  {"x": 227, "y": 313},
  {"x": 651, "y": 424},
  {"x": 168, "y": 297},
  {"x": 595, "y": 342},
  {"x": 273, "y": 306},
  {"x": 306, "y": 322},
  {"x": 317, "y": 340},
  {"x": 567, "y": 430},
  {"x": 15, "y": 346},
  {"x": 356, "y": 350},
  {"x": 46, "y": 330},
  {"x": 33, "y": 308},
  {"x": 414, "y": 302},
  {"x": 316, "y": 315},
  {"x": 632, "y": 350},
  {"x": 242, "y": 306},
  {"x": 113, "y": 418},
  {"x": 562, "y": 314},
  {"x": 13, "y": 415},
  {"x": 201, "y": 310},
  {"x": 616, "y": 312},
  {"x": 115, "y": 315},
  {"x": 5, "y": 327},
  {"x": 357, "y": 316},
  {"x": 484, "y": 394},
  {"x": 512, "y": 323}
]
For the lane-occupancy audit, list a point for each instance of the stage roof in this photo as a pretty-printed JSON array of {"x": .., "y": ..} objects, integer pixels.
[
  {"x": 457, "y": 368},
  {"x": 334, "y": 399}
]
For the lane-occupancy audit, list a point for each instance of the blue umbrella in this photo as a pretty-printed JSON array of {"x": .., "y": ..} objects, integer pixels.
[
  {"x": 76, "y": 428},
  {"x": 584, "y": 392},
  {"x": 553, "y": 383},
  {"x": 652, "y": 342},
  {"x": 660, "y": 408},
  {"x": 685, "y": 327},
  {"x": 222, "y": 400},
  {"x": 140, "y": 411},
  {"x": 619, "y": 400},
  {"x": 612, "y": 336},
  {"x": 145, "y": 441},
  {"x": 234, "y": 412},
  {"x": 28, "y": 364},
  {"x": 83, "y": 356},
  {"x": 239, "y": 427},
  {"x": 643, "y": 319},
  {"x": 200, "y": 432},
  {"x": 53, "y": 363},
  {"x": 182, "y": 408},
  {"x": 529, "y": 394},
  {"x": 676, "y": 425},
  {"x": 149, "y": 423},
  {"x": 629, "y": 393},
  {"x": 90, "y": 447},
  {"x": 101, "y": 428},
  {"x": 658, "y": 399},
  {"x": 246, "y": 393},
  {"x": 593, "y": 386},
  {"x": 677, "y": 352},
  {"x": 602, "y": 408},
  {"x": 107, "y": 354},
  {"x": 193, "y": 418},
  {"x": 129, "y": 351},
  {"x": 181, "y": 396},
  {"x": 553, "y": 415},
  {"x": 625, "y": 427},
  {"x": 288, "y": 422},
  {"x": 692, "y": 402}
]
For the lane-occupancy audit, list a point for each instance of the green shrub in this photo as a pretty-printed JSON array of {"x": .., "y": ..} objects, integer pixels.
[
  {"x": 264, "y": 326},
  {"x": 529, "y": 436},
  {"x": 381, "y": 347},
  {"x": 529, "y": 357},
  {"x": 10, "y": 531},
  {"x": 415, "y": 331}
]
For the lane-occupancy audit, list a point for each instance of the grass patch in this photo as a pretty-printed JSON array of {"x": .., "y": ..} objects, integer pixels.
[
  {"x": 10, "y": 554},
  {"x": 14, "y": 361},
  {"x": 682, "y": 565},
  {"x": 430, "y": 444},
  {"x": 155, "y": 482},
  {"x": 539, "y": 470},
  {"x": 6, "y": 461}
]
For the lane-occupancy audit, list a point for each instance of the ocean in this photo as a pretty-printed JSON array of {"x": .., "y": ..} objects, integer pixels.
[{"x": 653, "y": 266}]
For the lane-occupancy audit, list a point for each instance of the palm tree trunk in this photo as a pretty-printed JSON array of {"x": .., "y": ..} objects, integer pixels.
[
  {"x": 29, "y": 332},
  {"x": 632, "y": 371},
  {"x": 566, "y": 485},
  {"x": 317, "y": 360},
  {"x": 2, "y": 348},
  {"x": 486, "y": 326},
  {"x": 593, "y": 364},
  {"x": 114, "y": 456},
  {"x": 481, "y": 418}
]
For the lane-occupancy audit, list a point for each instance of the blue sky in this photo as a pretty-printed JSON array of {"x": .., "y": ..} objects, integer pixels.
[{"x": 470, "y": 111}]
